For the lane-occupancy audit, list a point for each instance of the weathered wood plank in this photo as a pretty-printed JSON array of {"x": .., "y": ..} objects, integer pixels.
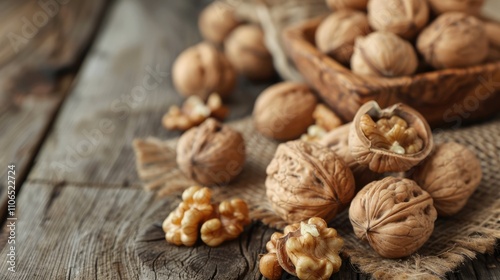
[
  {"x": 123, "y": 90},
  {"x": 41, "y": 46}
]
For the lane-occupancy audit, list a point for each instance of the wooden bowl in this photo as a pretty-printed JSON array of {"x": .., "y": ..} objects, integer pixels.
[{"x": 446, "y": 97}]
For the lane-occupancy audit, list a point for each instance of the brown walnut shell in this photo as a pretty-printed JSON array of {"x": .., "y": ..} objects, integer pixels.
[
  {"x": 380, "y": 160},
  {"x": 338, "y": 141},
  {"x": 454, "y": 40},
  {"x": 472, "y": 7},
  {"x": 284, "y": 111},
  {"x": 217, "y": 21},
  {"x": 307, "y": 180},
  {"x": 202, "y": 70},
  {"x": 336, "y": 34},
  {"x": 211, "y": 153},
  {"x": 394, "y": 215},
  {"x": 450, "y": 175},
  {"x": 336, "y": 5},
  {"x": 404, "y": 18}
]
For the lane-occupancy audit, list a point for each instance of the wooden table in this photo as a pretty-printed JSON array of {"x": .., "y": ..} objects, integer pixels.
[{"x": 79, "y": 81}]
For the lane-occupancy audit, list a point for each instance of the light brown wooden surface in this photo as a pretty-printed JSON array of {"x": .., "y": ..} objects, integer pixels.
[{"x": 82, "y": 213}]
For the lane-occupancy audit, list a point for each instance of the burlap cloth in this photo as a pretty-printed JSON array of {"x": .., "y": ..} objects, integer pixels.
[{"x": 473, "y": 230}]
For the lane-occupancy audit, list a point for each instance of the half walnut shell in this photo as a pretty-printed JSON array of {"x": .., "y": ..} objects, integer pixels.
[{"x": 390, "y": 140}]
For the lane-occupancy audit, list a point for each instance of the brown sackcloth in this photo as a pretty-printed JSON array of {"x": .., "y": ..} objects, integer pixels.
[{"x": 473, "y": 230}]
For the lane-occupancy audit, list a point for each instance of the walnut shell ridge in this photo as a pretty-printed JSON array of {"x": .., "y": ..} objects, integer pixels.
[
  {"x": 394, "y": 215},
  {"x": 211, "y": 153},
  {"x": 450, "y": 175},
  {"x": 307, "y": 180}
]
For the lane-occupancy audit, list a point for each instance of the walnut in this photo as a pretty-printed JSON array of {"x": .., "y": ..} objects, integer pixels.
[
  {"x": 472, "y": 7},
  {"x": 308, "y": 180},
  {"x": 247, "y": 52},
  {"x": 314, "y": 134},
  {"x": 394, "y": 215},
  {"x": 231, "y": 218},
  {"x": 404, "y": 18},
  {"x": 390, "y": 140},
  {"x": 217, "y": 21},
  {"x": 450, "y": 175},
  {"x": 193, "y": 112},
  {"x": 337, "y": 141},
  {"x": 307, "y": 250},
  {"x": 326, "y": 118},
  {"x": 383, "y": 54},
  {"x": 453, "y": 40},
  {"x": 201, "y": 70},
  {"x": 336, "y": 34},
  {"x": 182, "y": 225},
  {"x": 284, "y": 111},
  {"x": 347, "y": 4},
  {"x": 211, "y": 153},
  {"x": 493, "y": 32}
]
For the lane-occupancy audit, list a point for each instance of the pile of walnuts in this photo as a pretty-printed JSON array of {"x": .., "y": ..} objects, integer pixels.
[{"x": 382, "y": 37}]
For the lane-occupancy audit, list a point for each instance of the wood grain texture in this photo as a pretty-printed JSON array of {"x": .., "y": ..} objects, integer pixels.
[
  {"x": 38, "y": 60},
  {"x": 123, "y": 90}
]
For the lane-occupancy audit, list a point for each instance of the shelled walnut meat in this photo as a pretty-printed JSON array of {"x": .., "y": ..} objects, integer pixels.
[
  {"x": 336, "y": 5},
  {"x": 211, "y": 153},
  {"x": 308, "y": 180},
  {"x": 404, "y": 18},
  {"x": 454, "y": 40},
  {"x": 193, "y": 112},
  {"x": 450, "y": 175},
  {"x": 246, "y": 50},
  {"x": 336, "y": 34},
  {"x": 217, "y": 21},
  {"x": 394, "y": 215},
  {"x": 383, "y": 54},
  {"x": 325, "y": 120},
  {"x": 389, "y": 140},
  {"x": 218, "y": 222},
  {"x": 472, "y": 7},
  {"x": 201, "y": 70},
  {"x": 284, "y": 111},
  {"x": 308, "y": 250}
]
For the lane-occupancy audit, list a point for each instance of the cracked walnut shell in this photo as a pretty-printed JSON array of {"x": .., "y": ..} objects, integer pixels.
[
  {"x": 231, "y": 218},
  {"x": 201, "y": 70},
  {"x": 383, "y": 54},
  {"x": 336, "y": 34},
  {"x": 211, "y": 153},
  {"x": 308, "y": 250},
  {"x": 403, "y": 18},
  {"x": 454, "y": 40},
  {"x": 394, "y": 215},
  {"x": 182, "y": 225},
  {"x": 284, "y": 111},
  {"x": 390, "y": 140},
  {"x": 450, "y": 175},
  {"x": 308, "y": 180}
]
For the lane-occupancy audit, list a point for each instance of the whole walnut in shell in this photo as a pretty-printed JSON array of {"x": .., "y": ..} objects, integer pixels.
[
  {"x": 383, "y": 54},
  {"x": 347, "y": 4},
  {"x": 308, "y": 180},
  {"x": 394, "y": 215},
  {"x": 246, "y": 50},
  {"x": 284, "y": 111},
  {"x": 336, "y": 34},
  {"x": 450, "y": 175},
  {"x": 404, "y": 18},
  {"x": 216, "y": 21},
  {"x": 337, "y": 141},
  {"x": 201, "y": 70},
  {"x": 211, "y": 153},
  {"x": 453, "y": 40},
  {"x": 393, "y": 139},
  {"x": 472, "y": 7}
]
